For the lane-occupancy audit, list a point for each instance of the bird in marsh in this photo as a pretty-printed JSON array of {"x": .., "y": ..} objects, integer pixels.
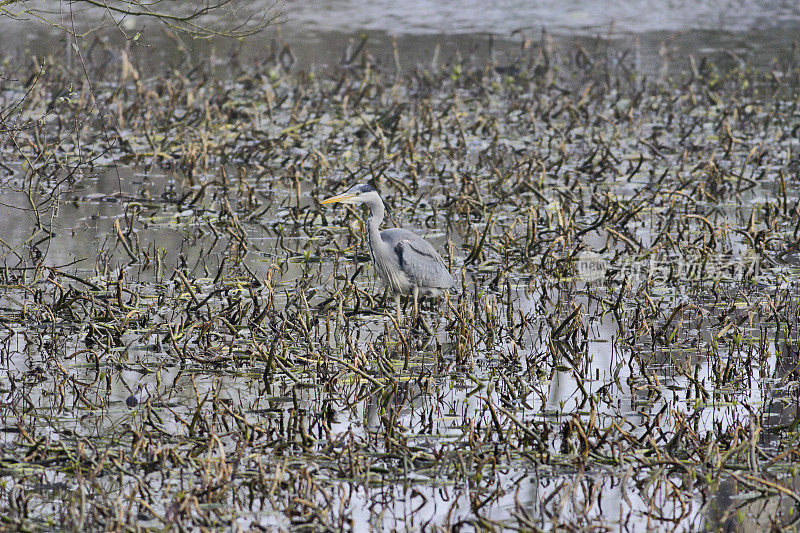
[{"x": 406, "y": 263}]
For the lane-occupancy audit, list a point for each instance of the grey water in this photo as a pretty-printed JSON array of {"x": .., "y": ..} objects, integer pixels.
[{"x": 428, "y": 33}]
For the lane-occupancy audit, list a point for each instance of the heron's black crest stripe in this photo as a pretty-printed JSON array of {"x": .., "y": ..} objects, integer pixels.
[{"x": 367, "y": 188}]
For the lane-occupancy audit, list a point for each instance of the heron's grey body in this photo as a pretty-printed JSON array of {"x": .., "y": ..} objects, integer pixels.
[
  {"x": 412, "y": 262},
  {"x": 405, "y": 262}
]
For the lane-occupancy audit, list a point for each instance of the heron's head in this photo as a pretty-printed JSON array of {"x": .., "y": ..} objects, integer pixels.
[{"x": 357, "y": 194}]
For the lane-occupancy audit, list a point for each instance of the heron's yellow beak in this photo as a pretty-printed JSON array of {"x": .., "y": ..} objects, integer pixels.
[{"x": 338, "y": 198}]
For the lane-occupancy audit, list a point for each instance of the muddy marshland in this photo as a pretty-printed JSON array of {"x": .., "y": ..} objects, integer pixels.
[{"x": 189, "y": 340}]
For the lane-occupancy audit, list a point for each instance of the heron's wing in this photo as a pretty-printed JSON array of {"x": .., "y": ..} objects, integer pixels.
[{"x": 419, "y": 260}]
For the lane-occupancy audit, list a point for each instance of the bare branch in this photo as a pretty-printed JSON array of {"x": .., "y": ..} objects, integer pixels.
[{"x": 219, "y": 18}]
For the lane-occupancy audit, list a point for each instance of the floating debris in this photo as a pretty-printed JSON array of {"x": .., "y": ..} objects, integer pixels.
[{"x": 141, "y": 395}]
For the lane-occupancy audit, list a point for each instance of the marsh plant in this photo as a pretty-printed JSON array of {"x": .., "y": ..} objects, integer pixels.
[{"x": 189, "y": 340}]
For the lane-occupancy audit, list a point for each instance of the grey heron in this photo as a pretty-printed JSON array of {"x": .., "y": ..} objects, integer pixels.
[{"x": 406, "y": 263}]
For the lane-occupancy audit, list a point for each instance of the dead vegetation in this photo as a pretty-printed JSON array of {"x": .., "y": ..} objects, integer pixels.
[{"x": 174, "y": 253}]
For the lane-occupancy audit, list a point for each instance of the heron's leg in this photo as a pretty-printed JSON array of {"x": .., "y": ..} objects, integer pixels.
[
  {"x": 419, "y": 321},
  {"x": 397, "y": 304},
  {"x": 385, "y": 296}
]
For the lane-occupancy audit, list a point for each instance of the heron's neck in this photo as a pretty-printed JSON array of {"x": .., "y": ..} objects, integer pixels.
[
  {"x": 374, "y": 223},
  {"x": 377, "y": 212}
]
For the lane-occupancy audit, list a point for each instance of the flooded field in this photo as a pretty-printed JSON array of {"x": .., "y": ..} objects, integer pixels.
[{"x": 190, "y": 340}]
